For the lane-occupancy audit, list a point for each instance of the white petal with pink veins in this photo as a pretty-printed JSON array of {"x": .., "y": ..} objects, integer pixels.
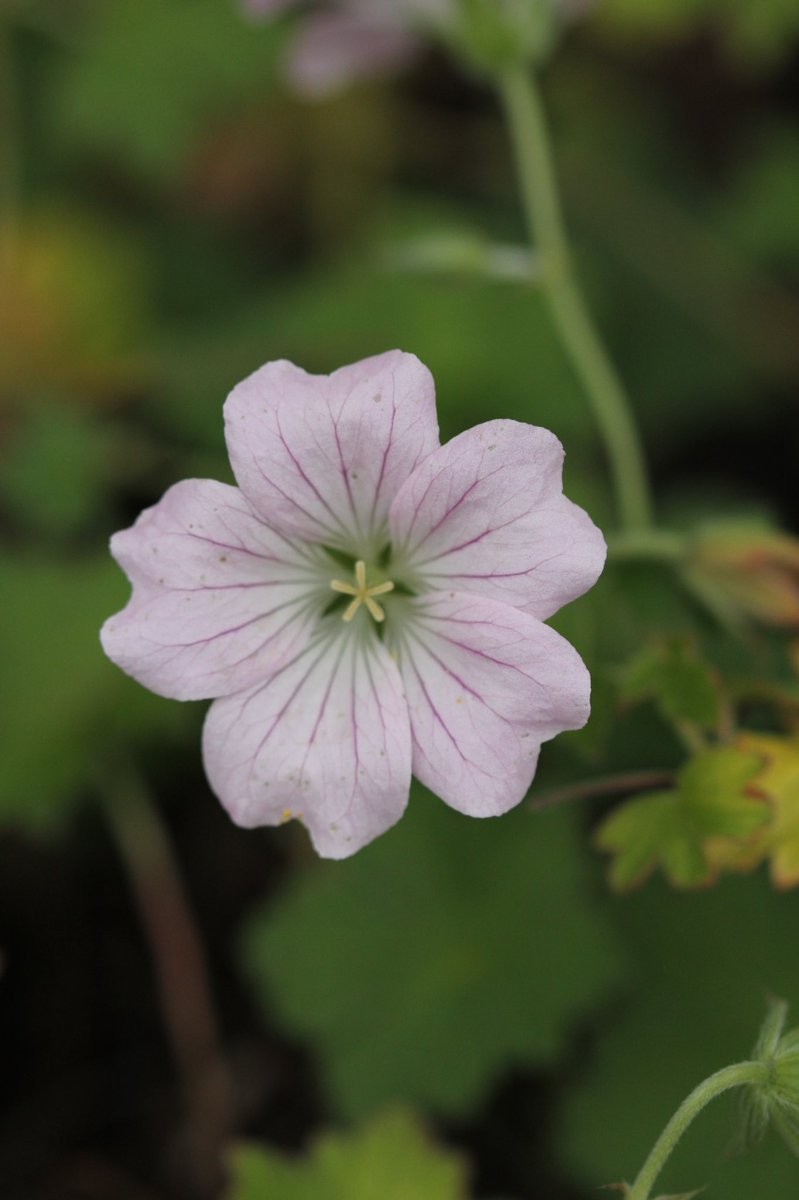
[
  {"x": 321, "y": 457},
  {"x": 219, "y": 600},
  {"x": 486, "y": 684},
  {"x": 486, "y": 513},
  {"x": 326, "y": 741}
]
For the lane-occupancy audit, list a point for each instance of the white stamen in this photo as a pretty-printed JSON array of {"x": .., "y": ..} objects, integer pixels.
[{"x": 362, "y": 594}]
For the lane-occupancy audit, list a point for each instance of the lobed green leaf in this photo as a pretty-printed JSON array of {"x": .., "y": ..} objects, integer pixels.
[
  {"x": 671, "y": 829},
  {"x": 391, "y": 1158},
  {"x": 438, "y": 957}
]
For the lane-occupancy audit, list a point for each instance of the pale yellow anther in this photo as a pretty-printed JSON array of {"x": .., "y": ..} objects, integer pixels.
[{"x": 362, "y": 594}]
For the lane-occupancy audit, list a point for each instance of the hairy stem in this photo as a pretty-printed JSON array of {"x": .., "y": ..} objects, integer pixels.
[
  {"x": 578, "y": 333},
  {"x": 709, "y": 1089}
]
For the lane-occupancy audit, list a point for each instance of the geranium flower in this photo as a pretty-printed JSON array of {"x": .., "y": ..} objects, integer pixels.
[
  {"x": 366, "y": 603},
  {"x": 343, "y": 41},
  {"x": 347, "y": 40}
]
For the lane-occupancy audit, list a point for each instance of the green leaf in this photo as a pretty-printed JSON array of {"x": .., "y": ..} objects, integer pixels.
[
  {"x": 672, "y": 674},
  {"x": 57, "y": 471},
  {"x": 778, "y": 782},
  {"x": 62, "y": 700},
  {"x": 670, "y": 829},
  {"x": 392, "y": 1158},
  {"x": 155, "y": 71},
  {"x": 437, "y": 957}
]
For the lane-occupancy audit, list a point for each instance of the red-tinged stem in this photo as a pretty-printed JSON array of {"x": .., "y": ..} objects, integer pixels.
[{"x": 181, "y": 975}]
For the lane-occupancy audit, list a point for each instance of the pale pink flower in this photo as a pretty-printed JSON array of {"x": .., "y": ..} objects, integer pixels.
[
  {"x": 343, "y": 41},
  {"x": 365, "y": 604}
]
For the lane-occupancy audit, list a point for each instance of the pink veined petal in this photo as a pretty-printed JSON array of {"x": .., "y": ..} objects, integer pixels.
[
  {"x": 486, "y": 684},
  {"x": 219, "y": 600},
  {"x": 486, "y": 514},
  {"x": 327, "y": 741},
  {"x": 321, "y": 456},
  {"x": 334, "y": 49}
]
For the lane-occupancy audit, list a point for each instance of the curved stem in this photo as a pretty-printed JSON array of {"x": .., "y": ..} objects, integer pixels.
[
  {"x": 728, "y": 1077},
  {"x": 603, "y": 387}
]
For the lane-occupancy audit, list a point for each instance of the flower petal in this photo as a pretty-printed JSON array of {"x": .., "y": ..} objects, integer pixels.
[
  {"x": 334, "y": 49},
  {"x": 327, "y": 741},
  {"x": 321, "y": 456},
  {"x": 486, "y": 514},
  {"x": 219, "y": 600},
  {"x": 486, "y": 684}
]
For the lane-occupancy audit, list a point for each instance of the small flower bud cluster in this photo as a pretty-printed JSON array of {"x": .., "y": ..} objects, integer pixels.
[
  {"x": 748, "y": 572},
  {"x": 776, "y": 1099}
]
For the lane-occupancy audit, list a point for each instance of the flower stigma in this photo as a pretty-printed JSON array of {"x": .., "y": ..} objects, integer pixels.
[{"x": 362, "y": 593}]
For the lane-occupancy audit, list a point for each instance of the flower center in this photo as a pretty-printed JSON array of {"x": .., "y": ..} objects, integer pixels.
[{"x": 361, "y": 593}]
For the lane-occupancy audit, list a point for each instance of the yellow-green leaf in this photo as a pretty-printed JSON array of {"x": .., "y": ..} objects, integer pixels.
[
  {"x": 391, "y": 1158},
  {"x": 671, "y": 829},
  {"x": 778, "y": 782}
]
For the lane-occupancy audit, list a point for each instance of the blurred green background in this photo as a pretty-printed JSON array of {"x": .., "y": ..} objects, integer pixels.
[{"x": 171, "y": 219}]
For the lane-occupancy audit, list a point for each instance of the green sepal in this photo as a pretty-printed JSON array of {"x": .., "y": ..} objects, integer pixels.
[
  {"x": 753, "y": 1120},
  {"x": 777, "y": 1098},
  {"x": 786, "y": 1122},
  {"x": 768, "y": 1039}
]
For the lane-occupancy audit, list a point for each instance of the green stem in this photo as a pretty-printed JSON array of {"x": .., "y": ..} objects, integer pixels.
[
  {"x": 653, "y": 545},
  {"x": 709, "y": 1089},
  {"x": 603, "y": 387}
]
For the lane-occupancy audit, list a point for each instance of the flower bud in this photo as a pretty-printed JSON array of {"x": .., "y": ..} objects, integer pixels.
[
  {"x": 494, "y": 35},
  {"x": 777, "y": 1098},
  {"x": 747, "y": 572}
]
